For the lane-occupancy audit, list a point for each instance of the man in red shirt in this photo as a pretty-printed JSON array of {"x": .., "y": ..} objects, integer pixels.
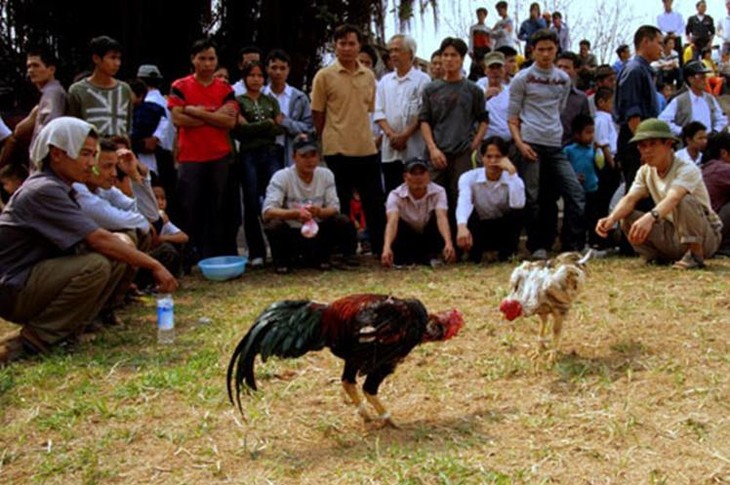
[{"x": 204, "y": 110}]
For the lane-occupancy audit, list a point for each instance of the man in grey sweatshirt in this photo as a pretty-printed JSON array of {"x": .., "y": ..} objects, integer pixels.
[{"x": 538, "y": 94}]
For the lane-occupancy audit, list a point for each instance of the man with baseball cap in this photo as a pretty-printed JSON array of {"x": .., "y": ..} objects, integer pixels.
[
  {"x": 682, "y": 226},
  {"x": 496, "y": 93},
  {"x": 695, "y": 104},
  {"x": 156, "y": 148},
  {"x": 301, "y": 213},
  {"x": 417, "y": 229}
]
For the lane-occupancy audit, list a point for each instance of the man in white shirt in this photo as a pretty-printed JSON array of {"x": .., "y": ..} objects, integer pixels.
[
  {"x": 103, "y": 202},
  {"x": 397, "y": 102},
  {"x": 108, "y": 207},
  {"x": 164, "y": 135},
  {"x": 503, "y": 30},
  {"x": 417, "y": 230},
  {"x": 293, "y": 103},
  {"x": 489, "y": 208},
  {"x": 560, "y": 28},
  {"x": 694, "y": 137},
  {"x": 695, "y": 104},
  {"x": 725, "y": 30},
  {"x": 496, "y": 93},
  {"x": 159, "y": 146},
  {"x": 245, "y": 55},
  {"x": 670, "y": 22}
]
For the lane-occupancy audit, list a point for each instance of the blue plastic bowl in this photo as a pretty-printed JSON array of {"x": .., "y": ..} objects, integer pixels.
[{"x": 223, "y": 268}]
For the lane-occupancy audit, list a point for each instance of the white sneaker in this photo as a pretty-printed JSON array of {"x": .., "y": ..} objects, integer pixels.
[{"x": 257, "y": 263}]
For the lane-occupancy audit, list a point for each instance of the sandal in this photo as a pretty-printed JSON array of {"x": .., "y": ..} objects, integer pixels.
[{"x": 690, "y": 261}]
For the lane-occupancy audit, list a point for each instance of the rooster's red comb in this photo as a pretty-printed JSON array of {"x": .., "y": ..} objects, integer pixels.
[{"x": 454, "y": 323}]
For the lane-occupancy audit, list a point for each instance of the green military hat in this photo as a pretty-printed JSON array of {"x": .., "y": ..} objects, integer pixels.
[{"x": 653, "y": 128}]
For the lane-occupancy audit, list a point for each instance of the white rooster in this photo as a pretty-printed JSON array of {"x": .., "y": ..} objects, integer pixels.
[{"x": 546, "y": 288}]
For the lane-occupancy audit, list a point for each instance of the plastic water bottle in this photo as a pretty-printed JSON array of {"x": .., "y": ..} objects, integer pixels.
[{"x": 165, "y": 319}]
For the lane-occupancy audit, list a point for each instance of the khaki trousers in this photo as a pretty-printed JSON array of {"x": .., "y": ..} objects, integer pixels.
[
  {"x": 62, "y": 295},
  {"x": 668, "y": 240}
]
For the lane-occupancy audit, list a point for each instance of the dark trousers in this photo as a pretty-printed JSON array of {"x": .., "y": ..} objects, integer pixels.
[
  {"x": 627, "y": 155},
  {"x": 448, "y": 178},
  {"x": 546, "y": 180},
  {"x": 232, "y": 212},
  {"x": 170, "y": 256},
  {"x": 392, "y": 175},
  {"x": 167, "y": 178},
  {"x": 502, "y": 235},
  {"x": 257, "y": 167},
  {"x": 630, "y": 160},
  {"x": 288, "y": 244},
  {"x": 413, "y": 247},
  {"x": 200, "y": 188},
  {"x": 362, "y": 174}
]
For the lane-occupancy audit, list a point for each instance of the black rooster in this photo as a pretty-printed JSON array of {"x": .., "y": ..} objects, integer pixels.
[{"x": 371, "y": 333}]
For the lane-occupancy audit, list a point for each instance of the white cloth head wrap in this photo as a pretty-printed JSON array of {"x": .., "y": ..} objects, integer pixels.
[{"x": 65, "y": 133}]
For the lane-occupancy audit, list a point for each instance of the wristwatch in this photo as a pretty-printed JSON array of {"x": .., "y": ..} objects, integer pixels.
[{"x": 655, "y": 214}]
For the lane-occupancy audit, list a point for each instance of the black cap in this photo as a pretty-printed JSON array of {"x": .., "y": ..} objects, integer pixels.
[
  {"x": 694, "y": 67},
  {"x": 305, "y": 143},
  {"x": 415, "y": 162}
]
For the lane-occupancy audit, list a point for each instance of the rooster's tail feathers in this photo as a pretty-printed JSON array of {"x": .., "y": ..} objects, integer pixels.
[{"x": 286, "y": 329}]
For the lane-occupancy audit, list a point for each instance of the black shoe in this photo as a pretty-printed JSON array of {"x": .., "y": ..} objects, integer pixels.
[
  {"x": 351, "y": 261},
  {"x": 110, "y": 319}
]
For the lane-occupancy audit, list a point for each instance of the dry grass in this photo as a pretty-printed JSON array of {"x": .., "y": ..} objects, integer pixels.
[{"x": 641, "y": 392}]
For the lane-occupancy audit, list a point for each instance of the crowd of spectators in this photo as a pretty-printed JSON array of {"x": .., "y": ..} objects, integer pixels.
[{"x": 130, "y": 187}]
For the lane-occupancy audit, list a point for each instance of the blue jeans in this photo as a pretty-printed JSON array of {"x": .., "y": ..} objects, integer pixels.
[
  {"x": 547, "y": 179},
  {"x": 257, "y": 166}
]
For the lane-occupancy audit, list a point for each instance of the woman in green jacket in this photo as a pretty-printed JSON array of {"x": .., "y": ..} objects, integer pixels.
[{"x": 259, "y": 124}]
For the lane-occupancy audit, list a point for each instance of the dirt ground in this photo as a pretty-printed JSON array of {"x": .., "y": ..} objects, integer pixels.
[{"x": 640, "y": 392}]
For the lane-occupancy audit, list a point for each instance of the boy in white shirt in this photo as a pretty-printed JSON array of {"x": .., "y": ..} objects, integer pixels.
[{"x": 609, "y": 177}]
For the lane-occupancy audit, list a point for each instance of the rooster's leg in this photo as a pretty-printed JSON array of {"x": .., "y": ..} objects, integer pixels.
[
  {"x": 349, "y": 384},
  {"x": 352, "y": 392},
  {"x": 383, "y": 414},
  {"x": 557, "y": 327},
  {"x": 370, "y": 389},
  {"x": 541, "y": 339}
]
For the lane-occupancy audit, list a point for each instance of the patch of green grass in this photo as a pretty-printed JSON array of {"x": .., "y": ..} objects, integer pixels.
[{"x": 641, "y": 347}]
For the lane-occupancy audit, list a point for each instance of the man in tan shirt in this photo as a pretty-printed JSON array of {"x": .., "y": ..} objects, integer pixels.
[
  {"x": 682, "y": 226},
  {"x": 343, "y": 96}
]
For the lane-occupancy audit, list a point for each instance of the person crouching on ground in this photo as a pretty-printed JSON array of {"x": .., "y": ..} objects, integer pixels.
[
  {"x": 489, "y": 212},
  {"x": 417, "y": 229},
  {"x": 682, "y": 226},
  {"x": 301, "y": 213},
  {"x": 58, "y": 268}
]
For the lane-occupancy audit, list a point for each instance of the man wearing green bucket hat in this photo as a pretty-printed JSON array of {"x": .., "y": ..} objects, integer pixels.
[{"x": 682, "y": 226}]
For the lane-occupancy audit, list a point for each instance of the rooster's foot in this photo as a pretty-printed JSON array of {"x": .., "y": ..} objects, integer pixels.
[
  {"x": 388, "y": 421},
  {"x": 364, "y": 414},
  {"x": 552, "y": 356}
]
